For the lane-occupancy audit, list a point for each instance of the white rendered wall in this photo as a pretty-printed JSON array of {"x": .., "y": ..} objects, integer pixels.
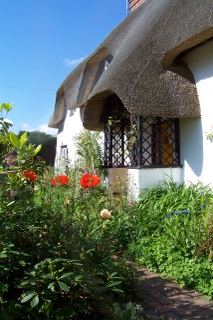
[
  {"x": 196, "y": 150},
  {"x": 142, "y": 179},
  {"x": 72, "y": 126}
]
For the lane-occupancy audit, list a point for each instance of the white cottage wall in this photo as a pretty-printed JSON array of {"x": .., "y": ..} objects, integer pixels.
[
  {"x": 72, "y": 127},
  {"x": 142, "y": 179},
  {"x": 196, "y": 149}
]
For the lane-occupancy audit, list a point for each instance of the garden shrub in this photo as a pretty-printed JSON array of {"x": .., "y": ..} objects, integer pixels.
[{"x": 59, "y": 258}]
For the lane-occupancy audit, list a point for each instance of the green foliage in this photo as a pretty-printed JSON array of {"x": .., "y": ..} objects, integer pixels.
[
  {"x": 48, "y": 142},
  {"x": 38, "y": 137},
  {"x": 25, "y": 151},
  {"x": 58, "y": 257},
  {"x": 90, "y": 155},
  {"x": 56, "y": 248},
  {"x": 4, "y": 126},
  {"x": 129, "y": 311},
  {"x": 174, "y": 234}
]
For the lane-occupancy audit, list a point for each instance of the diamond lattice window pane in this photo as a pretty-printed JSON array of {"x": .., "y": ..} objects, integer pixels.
[{"x": 136, "y": 142}]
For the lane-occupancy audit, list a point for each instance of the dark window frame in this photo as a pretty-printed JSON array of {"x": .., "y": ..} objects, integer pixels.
[{"x": 142, "y": 142}]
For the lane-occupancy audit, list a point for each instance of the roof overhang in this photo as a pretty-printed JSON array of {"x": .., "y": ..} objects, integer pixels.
[{"x": 140, "y": 62}]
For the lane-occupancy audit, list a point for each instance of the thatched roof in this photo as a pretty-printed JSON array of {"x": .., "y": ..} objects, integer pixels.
[{"x": 144, "y": 69}]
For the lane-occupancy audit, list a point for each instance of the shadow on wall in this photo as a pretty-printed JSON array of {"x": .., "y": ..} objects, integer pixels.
[
  {"x": 191, "y": 142},
  {"x": 200, "y": 61}
]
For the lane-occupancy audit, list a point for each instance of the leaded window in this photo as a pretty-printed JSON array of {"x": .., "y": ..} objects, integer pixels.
[{"x": 134, "y": 141}]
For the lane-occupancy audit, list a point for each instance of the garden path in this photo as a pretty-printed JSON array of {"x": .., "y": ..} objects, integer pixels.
[{"x": 164, "y": 299}]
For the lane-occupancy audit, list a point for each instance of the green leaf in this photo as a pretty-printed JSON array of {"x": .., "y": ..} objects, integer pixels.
[
  {"x": 6, "y": 106},
  {"x": 79, "y": 277},
  {"x": 51, "y": 285},
  {"x": 77, "y": 263},
  {"x": 15, "y": 252},
  {"x": 34, "y": 301},
  {"x": 113, "y": 274},
  {"x": 117, "y": 290},
  {"x": 28, "y": 297},
  {"x": 48, "y": 276},
  {"x": 14, "y": 140},
  {"x": 22, "y": 263},
  {"x": 65, "y": 275},
  {"x": 114, "y": 283},
  {"x": 38, "y": 148},
  {"x": 23, "y": 139},
  {"x": 3, "y": 255},
  {"x": 63, "y": 286}
]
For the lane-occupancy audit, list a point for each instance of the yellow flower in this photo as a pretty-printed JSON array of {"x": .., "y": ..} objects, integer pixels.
[
  {"x": 105, "y": 214},
  {"x": 67, "y": 202}
]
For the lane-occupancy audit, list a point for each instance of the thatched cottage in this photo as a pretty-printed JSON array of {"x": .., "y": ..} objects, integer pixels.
[{"x": 149, "y": 88}]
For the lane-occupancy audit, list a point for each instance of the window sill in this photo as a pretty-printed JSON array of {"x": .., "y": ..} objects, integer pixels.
[
  {"x": 155, "y": 166},
  {"x": 144, "y": 167}
]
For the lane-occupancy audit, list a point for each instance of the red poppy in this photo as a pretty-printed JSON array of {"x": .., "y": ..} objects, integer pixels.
[
  {"x": 60, "y": 180},
  {"x": 95, "y": 180},
  {"x": 53, "y": 181},
  {"x": 63, "y": 180},
  {"x": 89, "y": 180},
  {"x": 30, "y": 175}
]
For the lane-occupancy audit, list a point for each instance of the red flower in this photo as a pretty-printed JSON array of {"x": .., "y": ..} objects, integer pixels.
[
  {"x": 63, "y": 180},
  {"x": 89, "y": 180},
  {"x": 30, "y": 175},
  {"x": 53, "y": 181},
  {"x": 95, "y": 180},
  {"x": 60, "y": 180}
]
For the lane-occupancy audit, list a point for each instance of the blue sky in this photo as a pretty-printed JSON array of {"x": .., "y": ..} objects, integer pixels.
[{"x": 42, "y": 41}]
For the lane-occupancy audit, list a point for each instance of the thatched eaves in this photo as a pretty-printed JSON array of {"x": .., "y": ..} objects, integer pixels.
[{"x": 142, "y": 58}]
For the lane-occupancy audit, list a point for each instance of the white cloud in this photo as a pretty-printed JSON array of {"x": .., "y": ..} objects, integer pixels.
[
  {"x": 25, "y": 127},
  {"x": 9, "y": 121},
  {"x": 42, "y": 128},
  {"x": 47, "y": 130},
  {"x": 73, "y": 62}
]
